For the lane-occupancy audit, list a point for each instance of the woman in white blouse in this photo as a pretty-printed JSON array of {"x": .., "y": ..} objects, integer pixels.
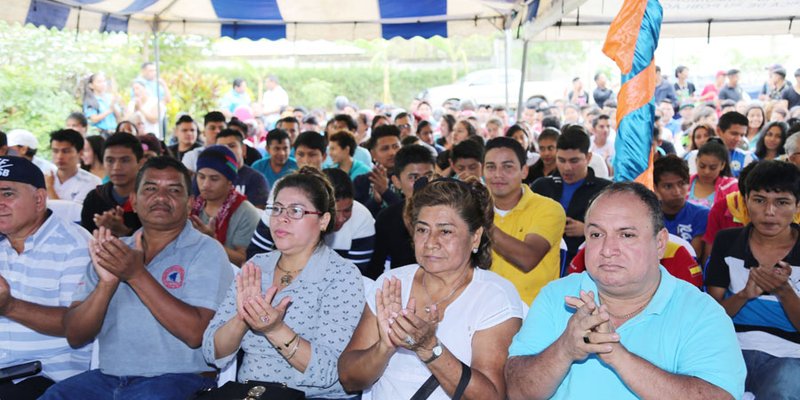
[{"x": 446, "y": 321}]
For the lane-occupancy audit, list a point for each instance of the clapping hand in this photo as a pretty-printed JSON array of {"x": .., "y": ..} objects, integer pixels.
[
  {"x": 115, "y": 257},
  {"x": 589, "y": 330},
  {"x": 113, "y": 220},
  {"x": 412, "y": 332},
  {"x": 773, "y": 280},
  {"x": 255, "y": 309},
  {"x": 206, "y": 229},
  {"x": 388, "y": 301}
]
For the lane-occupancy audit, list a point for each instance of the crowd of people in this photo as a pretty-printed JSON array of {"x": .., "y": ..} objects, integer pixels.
[{"x": 440, "y": 251}]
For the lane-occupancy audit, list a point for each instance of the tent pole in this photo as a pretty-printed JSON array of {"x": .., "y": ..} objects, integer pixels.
[
  {"x": 161, "y": 127},
  {"x": 522, "y": 78},
  {"x": 507, "y": 55}
]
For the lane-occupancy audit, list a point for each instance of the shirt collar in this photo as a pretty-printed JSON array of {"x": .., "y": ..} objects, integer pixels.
[{"x": 660, "y": 299}]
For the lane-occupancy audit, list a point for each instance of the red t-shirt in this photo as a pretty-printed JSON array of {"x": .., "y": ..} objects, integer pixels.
[{"x": 677, "y": 260}]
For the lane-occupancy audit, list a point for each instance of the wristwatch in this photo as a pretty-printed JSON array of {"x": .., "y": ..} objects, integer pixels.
[{"x": 437, "y": 351}]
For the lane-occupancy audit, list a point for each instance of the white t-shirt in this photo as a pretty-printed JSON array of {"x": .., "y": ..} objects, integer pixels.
[
  {"x": 275, "y": 99},
  {"x": 606, "y": 151},
  {"x": 76, "y": 188},
  {"x": 488, "y": 301},
  {"x": 598, "y": 164}
]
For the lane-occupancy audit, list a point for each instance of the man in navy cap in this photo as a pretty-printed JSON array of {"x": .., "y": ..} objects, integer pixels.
[{"x": 42, "y": 259}]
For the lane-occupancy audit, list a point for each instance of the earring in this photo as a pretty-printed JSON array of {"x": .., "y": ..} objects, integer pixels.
[{"x": 475, "y": 251}]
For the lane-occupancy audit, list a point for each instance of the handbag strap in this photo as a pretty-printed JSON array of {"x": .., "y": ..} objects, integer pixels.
[
  {"x": 426, "y": 389},
  {"x": 432, "y": 383},
  {"x": 466, "y": 375}
]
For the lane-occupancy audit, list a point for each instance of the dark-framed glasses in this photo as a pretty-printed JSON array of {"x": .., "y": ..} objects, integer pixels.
[{"x": 293, "y": 212}]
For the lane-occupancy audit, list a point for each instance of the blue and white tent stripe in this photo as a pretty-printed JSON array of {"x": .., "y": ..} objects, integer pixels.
[{"x": 273, "y": 19}]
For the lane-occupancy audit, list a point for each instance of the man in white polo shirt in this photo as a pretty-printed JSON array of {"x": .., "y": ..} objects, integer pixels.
[{"x": 69, "y": 181}]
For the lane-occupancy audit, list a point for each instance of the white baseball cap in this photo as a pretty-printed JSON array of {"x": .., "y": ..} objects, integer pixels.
[{"x": 22, "y": 137}]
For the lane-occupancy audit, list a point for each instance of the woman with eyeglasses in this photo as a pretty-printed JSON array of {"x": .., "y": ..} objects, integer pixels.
[
  {"x": 441, "y": 327},
  {"x": 292, "y": 310}
]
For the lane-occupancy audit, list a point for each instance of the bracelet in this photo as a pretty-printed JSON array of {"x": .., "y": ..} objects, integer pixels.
[
  {"x": 294, "y": 350},
  {"x": 286, "y": 345}
]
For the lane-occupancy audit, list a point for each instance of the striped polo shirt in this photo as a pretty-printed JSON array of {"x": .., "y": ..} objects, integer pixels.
[{"x": 47, "y": 272}]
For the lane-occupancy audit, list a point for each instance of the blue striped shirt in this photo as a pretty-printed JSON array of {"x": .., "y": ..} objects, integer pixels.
[{"x": 47, "y": 272}]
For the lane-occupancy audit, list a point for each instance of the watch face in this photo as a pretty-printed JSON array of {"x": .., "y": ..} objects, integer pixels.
[{"x": 437, "y": 350}]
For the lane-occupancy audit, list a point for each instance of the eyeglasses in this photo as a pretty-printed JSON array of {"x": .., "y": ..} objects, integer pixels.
[{"x": 293, "y": 212}]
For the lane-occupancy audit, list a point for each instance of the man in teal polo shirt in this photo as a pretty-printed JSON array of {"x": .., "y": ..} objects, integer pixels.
[
  {"x": 279, "y": 162},
  {"x": 645, "y": 335}
]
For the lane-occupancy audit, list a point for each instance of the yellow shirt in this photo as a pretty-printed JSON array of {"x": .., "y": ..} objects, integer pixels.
[{"x": 538, "y": 215}]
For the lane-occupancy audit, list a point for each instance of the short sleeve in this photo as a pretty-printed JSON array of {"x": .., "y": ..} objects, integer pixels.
[
  {"x": 711, "y": 352},
  {"x": 717, "y": 273},
  {"x": 246, "y": 220},
  {"x": 550, "y": 222},
  {"x": 502, "y": 303},
  {"x": 541, "y": 327},
  {"x": 701, "y": 220},
  {"x": 208, "y": 276}
]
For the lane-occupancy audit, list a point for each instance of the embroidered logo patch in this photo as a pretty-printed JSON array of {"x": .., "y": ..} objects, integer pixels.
[{"x": 172, "y": 278}]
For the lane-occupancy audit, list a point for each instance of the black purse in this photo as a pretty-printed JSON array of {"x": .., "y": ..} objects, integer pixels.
[
  {"x": 432, "y": 383},
  {"x": 251, "y": 390}
]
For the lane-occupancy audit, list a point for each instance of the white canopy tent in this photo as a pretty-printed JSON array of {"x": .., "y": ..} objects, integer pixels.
[{"x": 589, "y": 19}]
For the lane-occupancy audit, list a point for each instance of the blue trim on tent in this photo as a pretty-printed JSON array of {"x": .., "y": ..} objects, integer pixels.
[
  {"x": 113, "y": 24},
  {"x": 137, "y": 6},
  {"x": 88, "y": 1},
  {"x": 47, "y": 13},
  {"x": 253, "y": 32},
  {"x": 533, "y": 11},
  {"x": 248, "y": 9},
  {"x": 406, "y": 9},
  {"x": 408, "y": 31}
]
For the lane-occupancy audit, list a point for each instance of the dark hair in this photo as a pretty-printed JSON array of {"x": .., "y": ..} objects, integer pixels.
[
  {"x": 505, "y": 142},
  {"x": 468, "y": 149},
  {"x": 316, "y": 186},
  {"x": 3, "y": 139},
  {"x": 761, "y": 147},
  {"x": 402, "y": 114},
  {"x": 645, "y": 195},
  {"x": 422, "y": 124},
  {"x": 89, "y": 99},
  {"x": 119, "y": 125},
  {"x": 409, "y": 140},
  {"x": 78, "y": 116},
  {"x": 680, "y": 69},
  {"x": 68, "y": 135},
  {"x": 443, "y": 160},
  {"x": 597, "y": 119},
  {"x": 381, "y": 132},
  {"x": 574, "y": 137},
  {"x": 549, "y": 133},
  {"x": 288, "y": 120},
  {"x": 348, "y": 120},
  {"x": 743, "y": 174},
  {"x": 716, "y": 149},
  {"x": 774, "y": 176},
  {"x": 377, "y": 119},
  {"x": 470, "y": 199},
  {"x": 412, "y": 154},
  {"x": 311, "y": 120},
  {"x": 276, "y": 135},
  {"x": 342, "y": 184},
  {"x": 450, "y": 121},
  {"x": 731, "y": 118},
  {"x": 184, "y": 119},
  {"x": 344, "y": 139},
  {"x": 96, "y": 142},
  {"x": 551, "y": 121},
  {"x": 707, "y": 127},
  {"x": 123, "y": 139},
  {"x": 213, "y": 116},
  {"x": 312, "y": 140},
  {"x": 756, "y": 106},
  {"x": 670, "y": 163},
  {"x": 152, "y": 143},
  {"x": 228, "y": 132},
  {"x": 237, "y": 123},
  {"x": 237, "y": 82},
  {"x": 162, "y": 163},
  {"x": 471, "y": 131},
  {"x": 514, "y": 129}
]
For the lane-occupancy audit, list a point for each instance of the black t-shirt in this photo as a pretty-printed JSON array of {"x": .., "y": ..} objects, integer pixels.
[
  {"x": 729, "y": 93},
  {"x": 601, "y": 95},
  {"x": 392, "y": 241},
  {"x": 790, "y": 95}
]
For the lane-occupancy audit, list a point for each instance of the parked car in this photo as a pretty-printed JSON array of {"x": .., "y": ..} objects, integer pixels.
[{"x": 488, "y": 87}]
